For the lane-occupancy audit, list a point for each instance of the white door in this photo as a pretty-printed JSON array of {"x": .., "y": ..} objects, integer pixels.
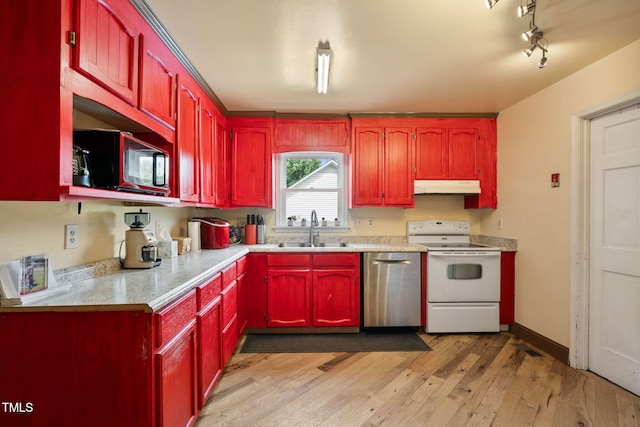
[{"x": 614, "y": 294}]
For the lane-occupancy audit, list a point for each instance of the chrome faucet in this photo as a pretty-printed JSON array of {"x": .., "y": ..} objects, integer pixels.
[{"x": 314, "y": 223}]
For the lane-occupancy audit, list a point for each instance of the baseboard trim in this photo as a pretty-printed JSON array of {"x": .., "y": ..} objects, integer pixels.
[{"x": 555, "y": 350}]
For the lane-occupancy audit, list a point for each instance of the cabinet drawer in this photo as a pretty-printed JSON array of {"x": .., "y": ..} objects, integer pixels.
[
  {"x": 229, "y": 274},
  {"x": 229, "y": 339},
  {"x": 288, "y": 260},
  {"x": 322, "y": 260},
  {"x": 174, "y": 317},
  {"x": 208, "y": 291},
  {"x": 241, "y": 265},
  {"x": 229, "y": 302}
]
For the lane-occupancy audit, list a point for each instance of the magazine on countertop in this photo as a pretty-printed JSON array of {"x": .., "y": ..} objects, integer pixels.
[
  {"x": 27, "y": 280},
  {"x": 35, "y": 272}
]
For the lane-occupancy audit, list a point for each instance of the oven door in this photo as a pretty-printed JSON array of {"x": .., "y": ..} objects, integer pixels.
[{"x": 463, "y": 276}]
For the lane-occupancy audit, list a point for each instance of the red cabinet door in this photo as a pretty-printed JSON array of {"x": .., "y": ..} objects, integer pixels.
[
  {"x": 251, "y": 167},
  {"x": 187, "y": 143},
  {"x": 289, "y": 297},
  {"x": 367, "y": 185},
  {"x": 222, "y": 162},
  {"x": 207, "y": 154},
  {"x": 432, "y": 153},
  {"x": 398, "y": 167},
  {"x": 335, "y": 298},
  {"x": 157, "y": 81},
  {"x": 463, "y": 153},
  {"x": 487, "y": 148},
  {"x": 209, "y": 350},
  {"x": 176, "y": 397},
  {"x": 107, "y": 46}
]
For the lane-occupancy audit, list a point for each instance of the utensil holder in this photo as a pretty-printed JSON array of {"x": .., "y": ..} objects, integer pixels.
[
  {"x": 261, "y": 234},
  {"x": 250, "y": 234}
]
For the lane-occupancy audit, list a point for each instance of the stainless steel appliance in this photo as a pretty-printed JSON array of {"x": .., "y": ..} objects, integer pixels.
[
  {"x": 391, "y": 289},
  {"x": 121, "y": 162},
  {"x": 141, "y": 244},
  {"x": 463, "y": 279}
]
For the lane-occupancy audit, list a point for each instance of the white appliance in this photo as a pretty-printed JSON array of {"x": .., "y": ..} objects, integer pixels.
[
  {"x": 438, "y": 186},
  {"x": 463, "y": 278}
]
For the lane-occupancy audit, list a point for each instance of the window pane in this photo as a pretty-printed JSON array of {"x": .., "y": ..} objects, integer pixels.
[
  {"x": 312, "y": 173},
  {"x": 300, "y": 204}
]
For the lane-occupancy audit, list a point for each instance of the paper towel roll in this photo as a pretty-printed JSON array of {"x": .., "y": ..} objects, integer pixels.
[{"x": 193, "y": 231}]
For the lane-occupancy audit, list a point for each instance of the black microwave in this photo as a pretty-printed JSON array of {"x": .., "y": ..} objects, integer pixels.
[{"x": 118, "y": 161}]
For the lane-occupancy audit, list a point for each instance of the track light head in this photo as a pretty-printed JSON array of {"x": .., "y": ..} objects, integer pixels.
[
  {"x": 528, "y": 35},
  {"x": 526, "y": 8},
  {"x": 490, "y": 3},
  {"x": 527, "y": 52},
  {"x": 543, "y": 61}
]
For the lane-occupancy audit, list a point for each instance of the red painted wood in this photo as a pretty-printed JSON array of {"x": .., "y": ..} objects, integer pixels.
[
  {"x": 209, "y": 349},
  {"x": 253, "y": 298},
  {"x": 507, "y": 288},
  {"x": 432, "y": 153},
  {"x": 229, "y": 274},
  {"x": 241, "y": 265},
  {"x": 107, "y": 46},
  {"x": 187, "y": 142},
  {"x": 176, "y": 371},
  {"x": 335, "y": 297},
  {"x": 222, "y": 162},
  {"x": 336, "y": 260},
  {"x": 229, "y": 339},
  {"x": 229, "y": 302},
  {"x": 289, "y": 260},
  {"x": 463, "y": 153},
  {"x": 367, "y": 163},
  {"x": 398, "y": 167},
  {"x": 76, "y": 367},
  {"x": 311, "y": 135},
  {"x": 209, "y": 291},
  {"x": 157, "y": 80},
  {"x": 207, "y": 153},
  {"x": 289, "y": 297},
  {"x": 487, "y": 154},
  {"x": 243, "y": 296},
  {"x": 251, "y": 166},
  {"x": 174, "y": 317}
]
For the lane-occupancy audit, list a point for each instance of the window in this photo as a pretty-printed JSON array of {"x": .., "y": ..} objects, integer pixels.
[{"x": 308, "y": 181}]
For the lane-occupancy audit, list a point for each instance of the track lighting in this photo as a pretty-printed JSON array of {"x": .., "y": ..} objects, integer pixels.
[
  {"x": 543, "y": 61},
  {"x": 527, "y": 35},
  {"x": 526, "y": 8},
  {"x": 491, "y": 3},
  {"x": 529, "y": 51}
]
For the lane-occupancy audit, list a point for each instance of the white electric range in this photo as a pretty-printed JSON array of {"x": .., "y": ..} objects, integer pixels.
[{"x": 463, "y": 278}]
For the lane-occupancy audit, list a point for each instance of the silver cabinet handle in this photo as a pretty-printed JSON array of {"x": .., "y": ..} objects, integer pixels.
[{"x": 391, "y": 261}]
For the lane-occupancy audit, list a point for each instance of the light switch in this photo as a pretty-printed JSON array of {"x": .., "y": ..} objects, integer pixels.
[{"x": 555, "y": 180}]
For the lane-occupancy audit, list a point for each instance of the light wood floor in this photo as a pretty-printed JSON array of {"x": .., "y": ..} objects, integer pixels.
[{"x": 477, "y": 380}]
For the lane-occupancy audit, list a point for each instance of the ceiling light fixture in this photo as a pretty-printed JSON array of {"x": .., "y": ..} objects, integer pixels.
[
  {"x": 491, "y": 3},
  {"x": 543, "y": 61},
  {"x": 536, "y": 37},
  {"x": 324, "y": 62},
  {"x": 527, "y": 35},
  {"x": 526, "y": 8}
]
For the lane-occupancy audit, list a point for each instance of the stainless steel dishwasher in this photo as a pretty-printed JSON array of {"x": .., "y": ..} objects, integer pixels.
[{"x": 391, "y": 289}]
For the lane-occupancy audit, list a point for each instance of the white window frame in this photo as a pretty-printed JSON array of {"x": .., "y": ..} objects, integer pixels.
[{"x": 280, "y": 185}]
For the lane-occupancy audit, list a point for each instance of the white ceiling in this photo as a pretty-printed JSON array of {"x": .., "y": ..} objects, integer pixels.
[{"x": 420, "y": 56}]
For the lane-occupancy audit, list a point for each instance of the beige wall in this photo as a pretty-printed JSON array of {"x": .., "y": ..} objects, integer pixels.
[
  {"x": 534, "y": 140},
  {"x": 29, "y": 228}
]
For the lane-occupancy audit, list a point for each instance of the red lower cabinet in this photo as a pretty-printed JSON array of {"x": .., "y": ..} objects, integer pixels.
[
  {"x": 209, "y": 350},
  {"x": 507, "y": 288},
  {"x": 176, "y": 379}
]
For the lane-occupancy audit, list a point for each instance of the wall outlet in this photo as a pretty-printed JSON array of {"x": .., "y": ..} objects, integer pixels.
[
  {"x": 70, "y": 236},
  {"x": 500, "y": 222},
  {"x": 357, "y": 222},
  {"x": 370, "y": 222}
]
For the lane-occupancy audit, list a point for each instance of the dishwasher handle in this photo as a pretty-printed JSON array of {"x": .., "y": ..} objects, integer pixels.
[{"x": 390, "y": 261}]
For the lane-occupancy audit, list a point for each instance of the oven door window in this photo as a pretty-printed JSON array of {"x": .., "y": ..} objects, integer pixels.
[{"x": 464, "y": 271}]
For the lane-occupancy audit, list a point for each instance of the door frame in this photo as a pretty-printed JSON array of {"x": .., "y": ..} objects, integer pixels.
[{"x": 580, "y": 222}]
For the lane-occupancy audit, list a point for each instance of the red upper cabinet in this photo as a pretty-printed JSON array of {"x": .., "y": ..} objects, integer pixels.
[
  {"x": 432, "y": 153},
  {"x": 107, "y": 46},
  {"x": 311, "y": 135},
  {"x": 382, "y": 160},
  {"x": 487, "y": 167},
  {"x": 463, "y": 153},
  {"x": 251, "y": 163},
  {"x": 222, "y": 162},
  {"x": 157, "y": 81},
  {"x": 187, "y": 143},
  {"x": 207, "y": 153}
]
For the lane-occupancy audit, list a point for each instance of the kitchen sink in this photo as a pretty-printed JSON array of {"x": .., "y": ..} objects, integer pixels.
[
  {"x": 332, "y": 245},
  {"x": 294, "y": 245},
  {"x": 308, "y": 245}
]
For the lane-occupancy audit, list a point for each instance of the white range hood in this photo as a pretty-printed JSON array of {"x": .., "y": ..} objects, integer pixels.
[{"x": 436, "y": 186}]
